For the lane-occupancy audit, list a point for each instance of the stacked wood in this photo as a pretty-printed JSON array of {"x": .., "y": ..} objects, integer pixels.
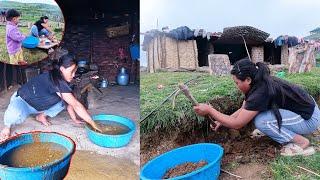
[
  {"x": 219, "y": 64},
  {"x": 301, "y": 58},
  {"x": 118, "y": 31}
]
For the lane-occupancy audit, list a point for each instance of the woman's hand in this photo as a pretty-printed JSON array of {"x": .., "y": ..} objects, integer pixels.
[
  {"x": 215, "y": 126},
  {"x": 202, "y": 109},
  {"x": 95, "y": 126}
]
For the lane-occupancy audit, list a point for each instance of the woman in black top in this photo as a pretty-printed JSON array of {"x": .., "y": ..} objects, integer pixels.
[
  {"x": 46, "y": 95},
  {"x": 280, "y": 110},
  {"x": 41, "y": 27}
]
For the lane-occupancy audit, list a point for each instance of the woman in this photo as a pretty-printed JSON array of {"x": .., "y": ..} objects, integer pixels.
[
  {"x": 41, "y": 27},
  {"x": 46, "y": 95},
  {"x": 280, "y": 110}
]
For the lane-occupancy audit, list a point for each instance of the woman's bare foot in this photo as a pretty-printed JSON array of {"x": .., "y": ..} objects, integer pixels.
[
  {"x": 43, "y": 119},
  {"x": 300, "y": 141},
  {"x": 5, "y": 134}
]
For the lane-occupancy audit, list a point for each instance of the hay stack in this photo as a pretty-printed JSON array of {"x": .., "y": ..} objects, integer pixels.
[{"x": 247, "y": 32}]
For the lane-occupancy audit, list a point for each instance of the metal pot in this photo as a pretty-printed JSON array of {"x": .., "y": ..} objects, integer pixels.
[
  {"x": 83, "y": 65},
  {"x": 103, "y": 83}
]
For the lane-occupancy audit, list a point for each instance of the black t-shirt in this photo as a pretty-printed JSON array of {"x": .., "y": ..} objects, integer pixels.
[
  {"x": 41, "y": 93},
  {"x": 38, "y": 24},
  {"x": 257, "y": 99}
]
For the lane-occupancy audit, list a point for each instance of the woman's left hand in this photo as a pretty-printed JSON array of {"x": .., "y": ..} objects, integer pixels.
[{"x": 202, "y": 109}]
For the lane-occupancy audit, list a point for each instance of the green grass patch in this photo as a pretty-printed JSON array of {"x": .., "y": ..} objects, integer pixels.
[
  {"x": 204, "y": 89},
  {"x": 286, "y": 167},
  {"x": 30, "y": 55}
]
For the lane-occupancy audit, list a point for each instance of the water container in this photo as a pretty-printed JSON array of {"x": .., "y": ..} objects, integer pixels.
[{"x": 123, "y": 77}]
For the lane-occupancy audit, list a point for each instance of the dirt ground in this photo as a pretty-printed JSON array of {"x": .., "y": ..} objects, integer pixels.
[
  {"x": 240, "y": 151},
  {"x": 118, "y": 100}
]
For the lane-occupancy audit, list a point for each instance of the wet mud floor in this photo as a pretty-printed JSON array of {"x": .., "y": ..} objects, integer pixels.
[{"x": 86, "y": 165}]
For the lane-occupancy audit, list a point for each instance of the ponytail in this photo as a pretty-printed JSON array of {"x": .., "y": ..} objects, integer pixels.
[{"x": 259, "y": 73}]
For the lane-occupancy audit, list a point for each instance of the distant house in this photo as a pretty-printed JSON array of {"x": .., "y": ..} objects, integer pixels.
[{"x": 166, "y": 52}]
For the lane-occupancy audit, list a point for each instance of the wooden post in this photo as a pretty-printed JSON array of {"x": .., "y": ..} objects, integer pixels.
[
  {"x": 196, "y": 63},
  {"x": 178, "y": 54},
  {"x": 5, "y": 77}
]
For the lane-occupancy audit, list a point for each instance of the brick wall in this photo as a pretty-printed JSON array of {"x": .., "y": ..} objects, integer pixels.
[{"x": 257, "y": 54}]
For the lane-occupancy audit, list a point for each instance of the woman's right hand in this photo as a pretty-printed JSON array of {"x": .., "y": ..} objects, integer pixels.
[
  {"x": 95, "y": 126},
  {"x": 215, "y": 126}
]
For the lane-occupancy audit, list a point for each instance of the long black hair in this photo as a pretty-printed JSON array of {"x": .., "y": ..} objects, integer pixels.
[
  {"x": 65, "y": 61},
  {"x": 260, "y": 73},
  {"x": 43, "y": 18}
]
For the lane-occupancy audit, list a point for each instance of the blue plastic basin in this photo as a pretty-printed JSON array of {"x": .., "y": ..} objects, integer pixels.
[
  {"x": 54, "y": 170},
  {"x": 212, "y": 153},
  {"x": 112, "y": 141},
  {"x": 30, "y": 42}
]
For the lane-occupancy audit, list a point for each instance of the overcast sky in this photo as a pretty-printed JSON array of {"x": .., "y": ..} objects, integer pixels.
[
  {"x": 52, "y": 2},
  {"x": 277, "y": 17}
]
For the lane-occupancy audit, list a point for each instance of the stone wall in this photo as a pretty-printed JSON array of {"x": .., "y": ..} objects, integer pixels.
[{"x": 257, "y": 54}]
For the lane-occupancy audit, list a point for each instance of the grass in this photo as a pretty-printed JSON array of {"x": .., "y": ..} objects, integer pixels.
[
  {"x": 286, "y": 167},
  {"x": 30, "y": 55},
  {"x": 31, "y": 12},
  {"x": 204, "y": 89}
]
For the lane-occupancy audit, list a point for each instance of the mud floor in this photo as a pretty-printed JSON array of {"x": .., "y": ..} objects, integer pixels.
[
  {"x": 111, "y": 128},
  {"x": 33, "y": 154},
  {"x": 117, "y": 100},
  {"x": 183, "y": 169},
  {"x": 87, "y": 165}
]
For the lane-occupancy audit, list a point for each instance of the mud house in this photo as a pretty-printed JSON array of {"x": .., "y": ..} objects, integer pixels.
[
  {"x": 95, "y": 31},
  {"x": 167, "y": 52}
]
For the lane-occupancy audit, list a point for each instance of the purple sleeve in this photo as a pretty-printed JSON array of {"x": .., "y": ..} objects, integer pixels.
[{"x": 16, "y": 35}]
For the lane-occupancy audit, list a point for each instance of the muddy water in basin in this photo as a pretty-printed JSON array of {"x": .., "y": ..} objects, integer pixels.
[
  {"x": 111, "y": 127},
  {"x": 33, "y": 154}
]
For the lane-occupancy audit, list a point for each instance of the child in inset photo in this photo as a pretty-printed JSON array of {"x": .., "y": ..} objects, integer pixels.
[{"x": 14, "y": 38}]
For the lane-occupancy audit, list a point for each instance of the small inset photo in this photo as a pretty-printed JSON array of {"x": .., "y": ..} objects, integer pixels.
[{"x": 29, "y": 30}]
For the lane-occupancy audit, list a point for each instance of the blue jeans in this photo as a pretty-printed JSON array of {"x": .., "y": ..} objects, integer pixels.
[
  {"x": 18, "y": 110},
  {"x": 292, "y": 124},
  {"x": 35, "y": 32}
]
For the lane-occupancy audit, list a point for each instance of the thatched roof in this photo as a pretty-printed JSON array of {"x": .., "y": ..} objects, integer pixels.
[{"x": 232, "y": 35}]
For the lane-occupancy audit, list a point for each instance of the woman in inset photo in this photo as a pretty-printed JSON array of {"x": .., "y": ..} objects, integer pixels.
[{"x": 42, "y": 28}]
